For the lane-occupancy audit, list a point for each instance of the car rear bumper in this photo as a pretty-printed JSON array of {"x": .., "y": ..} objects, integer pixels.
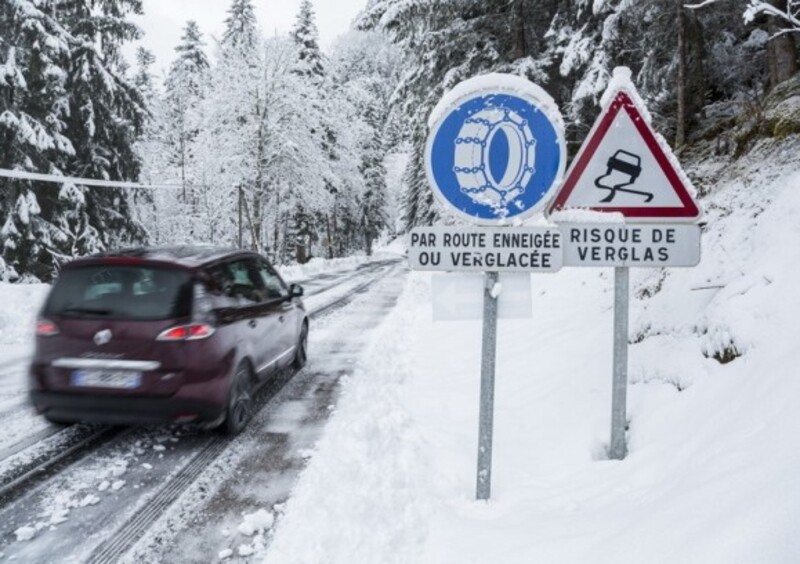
[{"x": 122, "y": 410}]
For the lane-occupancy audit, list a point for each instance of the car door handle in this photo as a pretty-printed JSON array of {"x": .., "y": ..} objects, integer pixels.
[{"x": 252, "y": 323}]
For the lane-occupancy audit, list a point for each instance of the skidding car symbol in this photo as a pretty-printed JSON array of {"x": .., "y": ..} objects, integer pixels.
[{"x": 623, "y": 169}]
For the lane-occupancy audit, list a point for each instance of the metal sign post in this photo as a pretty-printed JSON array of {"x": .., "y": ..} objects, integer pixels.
[
  {"x": 486, "y": 417},
  {"x": 617, "y": 448},
  {"x": 624, "y": 168},
  {"x": 495, "y": 153}
]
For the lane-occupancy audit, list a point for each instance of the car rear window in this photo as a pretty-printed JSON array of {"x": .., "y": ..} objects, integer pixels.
[{"x": 128, "y": 292}]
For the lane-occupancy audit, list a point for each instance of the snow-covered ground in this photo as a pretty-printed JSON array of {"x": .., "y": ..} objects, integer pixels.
[{"x": 714, "y": 443}]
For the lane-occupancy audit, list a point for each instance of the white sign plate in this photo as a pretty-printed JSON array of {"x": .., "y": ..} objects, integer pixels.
[
  {"x": 599, "y": 244},
  {"x": 475, "y": 249},
  {"x": 458, "y": 296}
]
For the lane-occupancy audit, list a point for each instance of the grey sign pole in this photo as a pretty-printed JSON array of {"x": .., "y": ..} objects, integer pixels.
[
  {"x": 617, "y": 449},
  {"x": 488, "y": 353}
]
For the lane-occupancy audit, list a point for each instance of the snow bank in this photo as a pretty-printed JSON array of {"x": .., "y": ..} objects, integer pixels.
[
  {"x": 320, "y": 265},
  {"x": 365, "y": 501},
  {"x": 18, "y": 309},
  {"x": 714, "y": 433}
]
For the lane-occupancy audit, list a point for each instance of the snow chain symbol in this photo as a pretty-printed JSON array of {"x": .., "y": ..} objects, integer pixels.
[{"x": 495, "y": 155}]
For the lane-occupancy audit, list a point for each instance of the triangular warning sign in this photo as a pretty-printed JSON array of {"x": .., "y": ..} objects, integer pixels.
[{"x": 622, "y": 167}]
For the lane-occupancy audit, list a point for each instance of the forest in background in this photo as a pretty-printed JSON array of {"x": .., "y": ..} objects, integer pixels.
[{"x": 269, "y": 143}]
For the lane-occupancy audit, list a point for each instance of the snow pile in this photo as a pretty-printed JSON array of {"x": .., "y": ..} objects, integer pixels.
[
  {"x": 320, "y": 265},
  {"x": 256, "y": 522},
  {"x": 25, "y": 533},
  {"x": 254, "y": 525},
  {"x": 714, "y": 436},
  {"x": 365, "y": 500}
]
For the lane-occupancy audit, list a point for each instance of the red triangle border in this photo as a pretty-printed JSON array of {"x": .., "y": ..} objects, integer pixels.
[{"x": 623, "y": 100}]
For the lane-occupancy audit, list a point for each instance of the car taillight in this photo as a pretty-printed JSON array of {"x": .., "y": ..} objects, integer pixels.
[
  {"x": 191, "y": 332},
  {"x": 46, "y": 328}
]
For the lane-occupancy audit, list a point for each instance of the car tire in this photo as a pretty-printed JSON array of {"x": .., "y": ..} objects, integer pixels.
[
  {"x": 58, "y": 422},
  {"x": 240, "y": 402},
  {"x": 301, "y": 351}
]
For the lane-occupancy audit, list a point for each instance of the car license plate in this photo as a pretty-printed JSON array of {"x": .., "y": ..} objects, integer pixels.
[{"x": 124, "y": 379}]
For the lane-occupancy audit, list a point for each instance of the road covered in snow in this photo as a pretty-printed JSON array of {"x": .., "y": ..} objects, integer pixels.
[{"x": 97, "y": 494}]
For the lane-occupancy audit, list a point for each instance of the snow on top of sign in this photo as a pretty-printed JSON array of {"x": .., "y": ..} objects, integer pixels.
[
  {"x": 621, "y": 81},
  {"x": 498, "y": 82},
  {"x": 582, "y": 215}
]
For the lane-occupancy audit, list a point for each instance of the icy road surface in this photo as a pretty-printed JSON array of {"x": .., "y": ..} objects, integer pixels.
[{"x": 176, "y": 494}]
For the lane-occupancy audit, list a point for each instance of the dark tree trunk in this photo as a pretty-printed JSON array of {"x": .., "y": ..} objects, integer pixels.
[
  {"x": 781, "y": 50},
  {"x": 520, "y": 43},
  {"x": 680, "y": 126}
]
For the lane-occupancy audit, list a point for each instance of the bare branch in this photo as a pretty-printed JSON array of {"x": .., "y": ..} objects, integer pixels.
[
  {"x": 700, "y": 5},
  {"x": 784, "y": 32}
]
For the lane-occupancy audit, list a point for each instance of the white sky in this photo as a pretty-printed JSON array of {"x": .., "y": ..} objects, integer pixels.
[{"x": 164, "y": 20}]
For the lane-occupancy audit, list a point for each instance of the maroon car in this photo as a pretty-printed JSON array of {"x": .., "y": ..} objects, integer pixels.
[{"x": 153, "y": 335}]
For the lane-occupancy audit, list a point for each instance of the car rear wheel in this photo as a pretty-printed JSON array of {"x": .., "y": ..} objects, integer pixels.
[
  {"x": 301, "y": 352},
  {"x": 240, "y": 402},
  {"x": 58, "y": 422}
]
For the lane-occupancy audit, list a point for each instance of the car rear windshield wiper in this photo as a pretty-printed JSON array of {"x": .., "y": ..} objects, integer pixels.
[{"x": 86, "y": 311}]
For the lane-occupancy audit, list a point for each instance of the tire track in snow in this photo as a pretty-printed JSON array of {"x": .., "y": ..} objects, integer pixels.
[{"x": 131, "y": 531}]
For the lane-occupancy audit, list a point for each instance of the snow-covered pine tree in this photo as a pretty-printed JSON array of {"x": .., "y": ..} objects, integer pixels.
[
  {"x": 335, "y": 136},
  {"x": 185, "y": 90},
  {"x": 106, "y": 116},
  {"x": 191, "y": 54},
  {"x": 365, "y": 66},
  {"x": 257, "y": 119},
  {"x": 306, "y": 37},
  {"x": 69, "y": 111},
  {"x": 143, "y": 78},
  {"x": 150, "y": 147},
  {"x": 230, "y": 129},
  {"x": 446, "y": 42},
  {"x": 34, "y": 104},
  {"x": 374, "y": 218},
  {"x": 302, "y": 227},
  {"x": 241, "y": 27},
  {"x": 570, "y": 48}
]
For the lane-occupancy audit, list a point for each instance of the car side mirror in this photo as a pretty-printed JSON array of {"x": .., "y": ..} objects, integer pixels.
[{"x": 295, "y": 291}]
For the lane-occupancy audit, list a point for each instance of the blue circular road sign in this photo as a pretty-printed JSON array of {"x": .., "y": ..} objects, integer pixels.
[{"x": 496, "y": 149}]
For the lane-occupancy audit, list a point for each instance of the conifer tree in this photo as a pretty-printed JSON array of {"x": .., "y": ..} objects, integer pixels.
[
  {"x": 106, "y": 113},
  {"x": 306, "y": 37},
  {"x": 185, "y": 91},
  {"x": 190, "y": 50},
  {"x": 309, "y": 66},
  {"x": 240, "y": 25},
  {"x": 34, "y": 107},
  {"x": 69, "y": 110}
]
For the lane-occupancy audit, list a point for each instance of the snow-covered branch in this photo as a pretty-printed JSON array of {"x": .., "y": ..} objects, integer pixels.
[{"x": 790, "y": 15}]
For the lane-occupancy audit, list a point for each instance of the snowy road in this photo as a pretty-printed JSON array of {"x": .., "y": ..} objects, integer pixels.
[{"x": 174, "y": 494}]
